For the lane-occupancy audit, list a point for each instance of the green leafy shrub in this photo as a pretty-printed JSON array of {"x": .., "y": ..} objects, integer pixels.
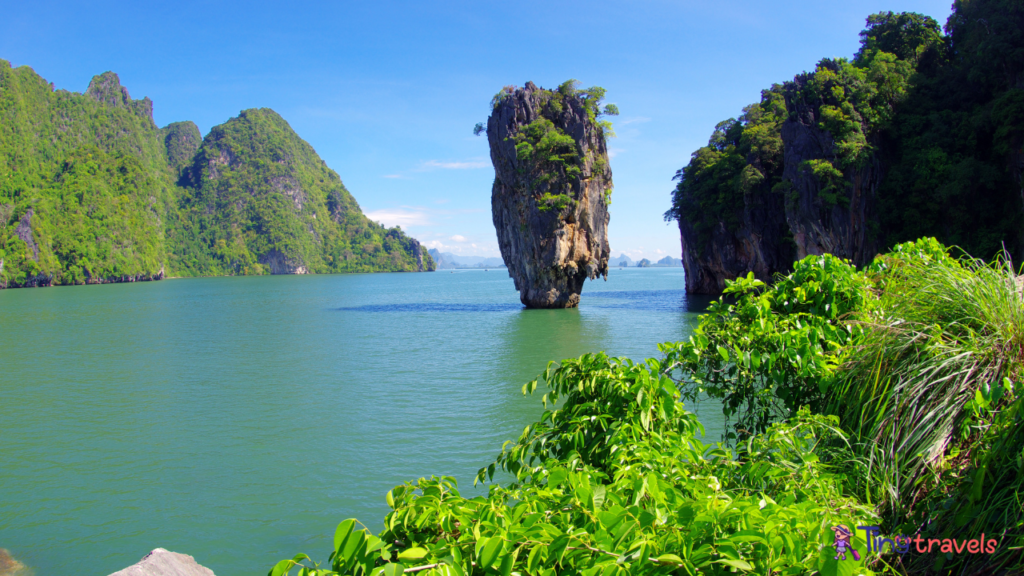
[
  {"x": 766, "y": 351},
  {"x": 742, "y": 157},
  {"x": 556, "y": 202},
  {"x": 615, "y": 481}
]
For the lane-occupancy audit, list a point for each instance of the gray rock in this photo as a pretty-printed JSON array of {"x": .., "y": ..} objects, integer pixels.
[
  {"x": 160, "y": 562},
  {"x": 550, "y": 249},
  {"x": 24, "y": 233}
]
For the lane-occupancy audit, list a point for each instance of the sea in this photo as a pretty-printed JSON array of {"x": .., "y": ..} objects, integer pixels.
[{"x": 240, "y": 419}]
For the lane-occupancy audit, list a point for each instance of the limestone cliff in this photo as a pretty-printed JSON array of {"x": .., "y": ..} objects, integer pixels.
[
  {"x": 263, "y": 199},
  {"x": 919, "y": 134},
  {"x": 778, "y": 185},
  {"x": 551, "y": 189},
  {"x": 826, "y": 215}
]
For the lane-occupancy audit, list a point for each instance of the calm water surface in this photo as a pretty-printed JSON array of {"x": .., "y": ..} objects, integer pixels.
[{"x": 240, "y": 419}]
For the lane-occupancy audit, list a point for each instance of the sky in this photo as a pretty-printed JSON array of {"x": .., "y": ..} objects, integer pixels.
[{"x": 388, "y": 92}]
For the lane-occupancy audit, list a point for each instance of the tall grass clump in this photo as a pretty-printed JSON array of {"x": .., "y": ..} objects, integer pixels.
[{"x": 928, "y": 393}]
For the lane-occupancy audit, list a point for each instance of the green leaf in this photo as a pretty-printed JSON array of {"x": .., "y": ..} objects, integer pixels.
[
  {"x": 393, "y": 569},
  {"x": 723, "y": 353},
  {"x": 490, "y": 552},
  {"x": 281, "y": 568},
  {"x": 748, "y": 536},
  {"x": 344, "y": 529},
  {"x": 670, "y": 558},
  {"x": 534, "y": 559},
  {"x": 413, "y": 553},
  {"x": 738, "y": 564}
]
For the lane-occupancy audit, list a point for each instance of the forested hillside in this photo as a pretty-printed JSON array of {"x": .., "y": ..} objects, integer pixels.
[
  {"x": 919, "y": 134},
  {"x": 92, "y": 191}
]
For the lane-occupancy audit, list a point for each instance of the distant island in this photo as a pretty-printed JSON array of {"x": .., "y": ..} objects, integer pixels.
[
  {"x": 92, "y": 191},
  {"x": 623, "y": 261},
  {"x": 449, "y": 261}
]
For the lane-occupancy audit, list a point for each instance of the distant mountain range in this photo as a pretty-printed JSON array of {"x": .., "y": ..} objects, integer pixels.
[
  {"x": 625, "y": 261},
  {"x": 448, "y": 261}
]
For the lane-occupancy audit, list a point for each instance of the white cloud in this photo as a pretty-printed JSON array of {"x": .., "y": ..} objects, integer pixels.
[
  {"x": 458, "y": 238},
  {"x": 613, "y": 152},
  {"x": 415, "y": 215},
  {"x": 488, "y": 249},
  {"x": 633, "y": 120},
  {"x": 400, "y": 217},
  {"x": 456, "y": 165}
]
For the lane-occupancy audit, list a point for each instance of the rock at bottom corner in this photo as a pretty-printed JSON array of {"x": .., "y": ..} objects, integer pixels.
[{"x": 161, "y": 562}]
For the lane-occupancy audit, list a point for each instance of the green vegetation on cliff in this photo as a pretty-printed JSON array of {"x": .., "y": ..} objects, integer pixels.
[
  {"x": 257, "y": 199},
  {"x": 92, "y": 191},
  {"x": 83, "y": 182},
  {"x": 547, "y": 151},
  {"x": 924, "y": 129}
]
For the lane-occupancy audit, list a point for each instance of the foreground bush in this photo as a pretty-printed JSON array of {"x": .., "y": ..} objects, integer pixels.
[
  {"x": 615, "y": 481},
  {"x": 928, "y": 398}
]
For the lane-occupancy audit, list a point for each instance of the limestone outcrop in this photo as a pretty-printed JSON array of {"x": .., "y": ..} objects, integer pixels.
[
  {"x": 551, "y": 190},
  {"x": 160, "y": 562},
  {"x": 793, "y": 194}
]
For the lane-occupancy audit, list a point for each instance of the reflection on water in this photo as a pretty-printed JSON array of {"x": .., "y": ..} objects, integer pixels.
[
  {"x": 654, "y": 300},
  {"x": 434, "y": 307}
]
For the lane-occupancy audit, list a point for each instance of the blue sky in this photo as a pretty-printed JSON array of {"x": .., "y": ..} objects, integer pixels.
[{"x": 388, "y": 93}]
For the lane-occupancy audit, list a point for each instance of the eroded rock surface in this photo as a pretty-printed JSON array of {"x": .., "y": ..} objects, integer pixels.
[
  {"x": 11, "y": 567},
  {"x": 818, "y": 226},
  {"x": 160, "y": 562},
  {"x": 778, "y": 209},
  {"x": 551, "y": 187}
]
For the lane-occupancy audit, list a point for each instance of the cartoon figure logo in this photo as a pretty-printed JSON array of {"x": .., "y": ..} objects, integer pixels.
[{"x": 842, "y": 543}]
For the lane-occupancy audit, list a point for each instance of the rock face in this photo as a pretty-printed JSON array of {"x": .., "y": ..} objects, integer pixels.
[
  {"x": 759, "y": 245},
  {"x": 817, "y": 226},
  {"x": 160, "y": 562},
  {"x": 799, "y": 202},
  {"x": 551, "y": 186}
]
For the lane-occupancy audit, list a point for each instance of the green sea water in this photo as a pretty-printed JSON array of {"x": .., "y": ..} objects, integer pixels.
[{"x": 238, "y": 420}]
